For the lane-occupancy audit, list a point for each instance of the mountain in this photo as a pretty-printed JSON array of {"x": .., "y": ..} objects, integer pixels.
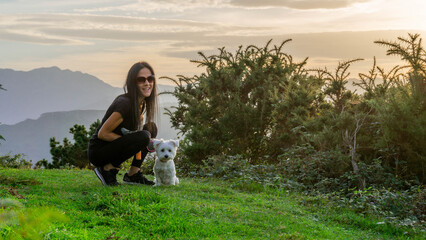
[
  {"x": 32, "y": 93},
  {"x": 31, "y": 137}
]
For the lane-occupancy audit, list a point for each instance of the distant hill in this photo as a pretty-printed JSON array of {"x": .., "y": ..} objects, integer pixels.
[
  {"x": 32, "y": 93},
  {"x": 31, "y": 137}
]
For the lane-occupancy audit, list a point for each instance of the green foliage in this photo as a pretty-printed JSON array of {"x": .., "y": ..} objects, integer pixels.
[
  {"x": 296, "y": 104},
  {"x": 15, "y": 161},
  {"x": 335, "y": 88},
  {"x": 401, "y": 112},
  {"x": 241, "y": 173},
  {"x": 411, "y": 51},
  {"x": 406, "y": 208},
  {"x": 235, "y": 98},
  {"x": 369, "y": 82},
  {"x": 257, "y": 103},
  {"x": 71, "y": 154},
  {"x": 402, "y": 121},
  {"x": 17, "y": 222},
  {"x": 314, "y": 169}
]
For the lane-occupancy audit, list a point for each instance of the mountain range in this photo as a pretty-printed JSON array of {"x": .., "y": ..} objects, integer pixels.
[
  {"x": 32, "y": 93},
  {"x": 47, "y": 102}
]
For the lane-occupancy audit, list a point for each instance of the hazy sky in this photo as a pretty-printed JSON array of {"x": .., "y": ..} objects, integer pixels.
[{"x": 105, "y": 37}]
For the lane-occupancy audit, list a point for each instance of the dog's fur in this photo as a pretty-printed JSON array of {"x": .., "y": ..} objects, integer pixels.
[{"x": 164, "y": 167}]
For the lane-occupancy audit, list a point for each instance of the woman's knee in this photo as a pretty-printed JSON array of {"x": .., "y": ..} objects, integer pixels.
[
  {"x": 151, "y": 127},
  {"x": 143, "y": 137}
]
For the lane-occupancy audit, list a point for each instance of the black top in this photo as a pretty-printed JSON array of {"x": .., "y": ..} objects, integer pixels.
[{"x": 121, "y": 104}]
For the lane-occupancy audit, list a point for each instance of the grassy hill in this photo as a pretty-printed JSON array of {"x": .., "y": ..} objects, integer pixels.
[{"x": 195, "y": 209}]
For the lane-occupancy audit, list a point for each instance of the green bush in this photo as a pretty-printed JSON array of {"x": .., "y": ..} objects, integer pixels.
[
  {"x": 15, "y": 161},
  {"x": 235, "y": 98},
  {"x": 401, "y": 112},
  {"x": 240, "y": 171},
  {"x": 309, "y": 167},
  {"x": 259, "y": 104},
  {"x": 71, "y": 154},
  {"x": 402, "y": 119},
  {"x": 405, "y": 207}
]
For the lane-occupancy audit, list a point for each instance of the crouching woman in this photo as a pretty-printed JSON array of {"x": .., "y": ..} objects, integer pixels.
[{"x": 122, "y": 133}]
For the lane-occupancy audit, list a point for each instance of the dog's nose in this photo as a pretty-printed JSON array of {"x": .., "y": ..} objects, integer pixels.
[{"x": 166, "y": 156}]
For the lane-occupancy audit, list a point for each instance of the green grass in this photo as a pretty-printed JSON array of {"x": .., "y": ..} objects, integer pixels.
[{"x": 195, "y": 209}]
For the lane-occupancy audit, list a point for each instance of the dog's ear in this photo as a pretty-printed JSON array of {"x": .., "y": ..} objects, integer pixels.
[
  {"x": 175, "y": 143},
  {"x": 157, "y": 142}
]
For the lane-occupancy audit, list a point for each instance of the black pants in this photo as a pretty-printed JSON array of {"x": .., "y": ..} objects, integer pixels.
[{"x": 121, "y": 149}]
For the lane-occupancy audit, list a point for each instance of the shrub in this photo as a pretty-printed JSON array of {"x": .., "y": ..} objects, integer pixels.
[
  {"x": 15, "y": 161},
  {"x": 259, "y": 102},
  {"x": 313, "y": 168},
  {"x": 239, "y": 171},
  {"x": 71, "y": 154},
  {"x": 405, "y": 207},
  {"x": 402, "y": 111},
  {"x": 236, "y": 98}
]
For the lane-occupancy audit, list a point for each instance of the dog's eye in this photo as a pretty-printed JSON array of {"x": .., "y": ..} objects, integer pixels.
[
  {"x": 162, "y": 150},
  {"x": 170, "y": 150}
]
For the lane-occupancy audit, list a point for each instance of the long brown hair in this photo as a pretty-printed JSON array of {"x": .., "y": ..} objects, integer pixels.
[{"x": 132, "y": 91}]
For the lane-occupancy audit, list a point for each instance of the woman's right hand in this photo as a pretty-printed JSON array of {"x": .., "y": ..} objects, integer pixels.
[{"x": 126, "y": 131}]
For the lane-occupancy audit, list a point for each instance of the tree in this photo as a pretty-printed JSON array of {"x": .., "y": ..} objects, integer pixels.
[
  {"x": 259, "y": 102},
  {"x": 411, "y": 50},
  {"x": 15, "y": 161},
  {"x": 229, "y": 108},
  {"x": 378, "y": 82},
  {"x": 297, "y": 104},
  {"x": 343, "y": 122},
  {"x": 401, "y": 112},
  {"x": 71, "y": 153}
]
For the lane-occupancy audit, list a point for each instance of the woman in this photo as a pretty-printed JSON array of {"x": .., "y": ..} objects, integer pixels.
[{"x": 113, "y": 143}]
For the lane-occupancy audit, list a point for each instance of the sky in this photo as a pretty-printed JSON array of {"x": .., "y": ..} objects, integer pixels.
[{"x": 105, "y": 37}]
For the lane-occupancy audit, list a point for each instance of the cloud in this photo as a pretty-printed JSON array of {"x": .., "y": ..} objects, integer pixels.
[
  {"x": 297, "y": 4},
  {"x": 79, "y": 29},
  {"x": 152, "y": 6},
  {"x": 34, "y": 37}
]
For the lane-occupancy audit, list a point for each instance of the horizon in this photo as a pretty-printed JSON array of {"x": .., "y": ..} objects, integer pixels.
[{"x": 104, "y": 38}]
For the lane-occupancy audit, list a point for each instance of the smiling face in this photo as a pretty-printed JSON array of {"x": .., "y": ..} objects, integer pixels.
[{"x": 145, "y": 87}]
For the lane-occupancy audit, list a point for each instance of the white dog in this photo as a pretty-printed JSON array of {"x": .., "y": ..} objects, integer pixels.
[{"x": 164, "y": 166}]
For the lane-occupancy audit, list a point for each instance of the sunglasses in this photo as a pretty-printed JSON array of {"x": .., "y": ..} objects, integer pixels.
[{"x": 143, "y": 79}]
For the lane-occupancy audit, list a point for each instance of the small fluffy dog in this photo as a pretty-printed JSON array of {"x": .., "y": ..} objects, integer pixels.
[{"x": 164, "y": 166}]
